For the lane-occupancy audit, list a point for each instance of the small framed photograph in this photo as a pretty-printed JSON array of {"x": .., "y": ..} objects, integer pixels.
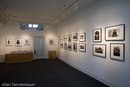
[
  {"x": 82, "y": 37},
  {"x": 26, "y": 42},
  {"x": 61, "y": 38},
  {"x": 97, "y": 35},
  {"x": 117, "y": 51},
  {"x": 75, "y": 36},
  {"x": 51, "y": 42},
  {"x": 18, "y": 42},
  {"x": 70, "y": 47},
  {"x": 75, "y": 46},
  {"x": 9, "y": 42},
  {"x": 65, "y": 46},
  {"x": 65, "y": 38},
  {"x": 82, "y": 47},
  {"x": 61, "y": 45},
  {"x": 69, "y": 38},
  {"x": 115, "y": 32},
  {"x": 99, "y": 50}
]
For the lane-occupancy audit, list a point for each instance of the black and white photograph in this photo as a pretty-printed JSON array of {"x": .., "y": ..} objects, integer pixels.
[
  {"x": 82, "y": 37},
  {"x": 75, "y": 36},
  {"x": 65, "y": 38},
  {"x": 69, "y": 46},
  {"x": 82, "y": 47},
  {"x": 61, "y": 45},
  {"x": 26, "y": 42},
  {"x": 51, "y": 42},
  {"x": 99, "y": 50},
  {"x": 69, "y": 38},
  {"x": 9, "y": 42},
  {"x": 75, "y": 46},
  {"x": 61, "y": 39},
  {"x": 18, "y": 42},
  {"x": 97, "y": 35},
  {"x": 115, "y": 32},
  {"x": 65, "y": 46},
  {"x": 117, "y": 51}
]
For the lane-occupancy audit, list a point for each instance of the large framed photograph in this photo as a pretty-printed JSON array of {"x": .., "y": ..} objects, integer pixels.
[
  {"x": 70, "y": 47},
  {"x": 99, "y": 50},
  {"x": 65, "y": 46},
  {"x": 82, "y": 47},
  {"x": 61, "y": 45},
  {"x": 82, "y": 37},
  {"x": 75, "y": 46},
  {"x": 26, "y": 42},
  {"x": 97, "y": 35},
  {"x": 69, "y": 38},
  {"x": 75, "y": 36},
  {"x": 18, "y": 42},
  {"x": 117, "y": 51},
  {"x": 9, "y": 42},
  {"x": 115, "y": 32}
]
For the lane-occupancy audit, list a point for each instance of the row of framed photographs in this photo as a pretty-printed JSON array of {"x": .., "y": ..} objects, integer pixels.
[
  {"x": 73, "y": 37},
  {"x": 112, "y": 33},
  {"x": 116, "y": 50},
  {"x": 17, "y": 41},
  {"x": 73, "y": 46}
]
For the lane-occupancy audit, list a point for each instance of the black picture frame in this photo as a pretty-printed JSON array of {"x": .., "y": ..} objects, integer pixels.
[
  {"x": 99, "y": 50},
  {"x": 115, "y": 33},
  {"x": 82, "y": 47},
  {"x": 117, "y": 51},
  {"x": 97, "y": 35}
]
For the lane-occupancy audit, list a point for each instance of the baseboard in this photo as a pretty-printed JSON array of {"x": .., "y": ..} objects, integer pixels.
[{"x": 90, "y": 74}]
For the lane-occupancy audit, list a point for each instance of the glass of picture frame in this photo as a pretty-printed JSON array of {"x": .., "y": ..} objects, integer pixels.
[
  {"x": 82, "y": 47},
  {"x": 82, "y": 37},
  {"x": 69, "y": 46},
  {"x": 69, "y": 38},
  {"x": 117, "y": 51},
  {"x": 115, "y": 33},
  {"x": 9, "y": 42},
  {"x": 75, "y": 36},
  {"x": 75, "y": 46},
  {"x": 97, "y": 35},
  {"x": 18, "y": 42},
  {"x": 99, "y": 50}
]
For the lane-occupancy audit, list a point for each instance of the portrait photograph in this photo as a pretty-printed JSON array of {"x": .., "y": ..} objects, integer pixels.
[
  {"x": 61, "y": 45},
  {"x": 9, "y": 42},
  {"x": 51, "y": 42},
  {"x": 99, "y": 50},
  {"x": 75, "y": 36},
  {"x": 117, "y": 51},
  {"x": 18, "y": 42},
  {"x": 97, "y": 35},
  {"x": 26, "y": 42},
  {"x": 82, "y": 47},
  {"x": 65, "y": 46},
  {"x": 75, "y": 46},
  {"x": 69, "y": 38},
  {"x": 115, "y": 32},
  {"x": 70, "y": 47},
  {"x": 82, "y": 37}
]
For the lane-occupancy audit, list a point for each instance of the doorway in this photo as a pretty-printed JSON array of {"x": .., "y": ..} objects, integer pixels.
[{"x": 39, "y": 47}]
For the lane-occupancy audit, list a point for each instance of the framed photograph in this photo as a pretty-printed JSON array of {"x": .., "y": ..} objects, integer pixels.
[
  {"x": 61, "y": 39},
  {"x": 82, "y": 37},
  {"x": 18, "y": 42},
  {"x": 26, "y": 42},
  {"x": 99, "y": 50},
  {"x": 75, "y": 46},
  {"x": 115, "y": 32},
  {"x": 51, "y": 42},
  {"x": 65, "y": 38},
  {"x": 117, "y": 51},
  {"x": 61, "y": 45},
  {"x": 82, "y": 47},
  {"x": 9, "y": 42},
  {"x": 97, "y": 35},
  {"x": 75, "y": 36},
  {"x": 70, "y": 47},
  {"x": 65, "y": 46},
  {"x": 69, "y": 38}
]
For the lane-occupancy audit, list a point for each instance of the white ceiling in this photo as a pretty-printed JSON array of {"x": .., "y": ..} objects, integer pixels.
[{"x": 44, "y": 11}]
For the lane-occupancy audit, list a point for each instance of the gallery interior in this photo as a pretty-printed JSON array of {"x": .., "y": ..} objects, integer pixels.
[{"x": 65, "y": 43}]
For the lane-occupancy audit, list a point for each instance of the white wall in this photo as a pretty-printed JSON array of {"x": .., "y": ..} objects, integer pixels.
[
  {"x": 99, "y": 15},
  {"x": 12, "y": 30}
]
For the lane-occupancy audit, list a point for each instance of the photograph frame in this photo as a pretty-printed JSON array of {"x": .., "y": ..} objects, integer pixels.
[
  {"x": 65, "y": 46},
  {"x": 65, "y": 38},
  {"x": 97, "y": 34},
  {"x": 82, "y": 50},
  {"x": 61, "y": 38},
  {"x": 103, "y": 55},
  {"x": 83, "y": 36},
  {"x": 8, "y": 42},
  {"x": 75, "y": 44},
  {"x": 115, "y": 33},
  {"x": 61, "y": 45},
  {"x": 69, "y": 47},
  {"x": 18, "y": 42},
  {"x": 121, "y": 54},
  {"x": 27, "y": 42},
  {"x": 75, "y": 35},
  {"x": 69, "y": 38},
  {"x": 51, "y": 42}
]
